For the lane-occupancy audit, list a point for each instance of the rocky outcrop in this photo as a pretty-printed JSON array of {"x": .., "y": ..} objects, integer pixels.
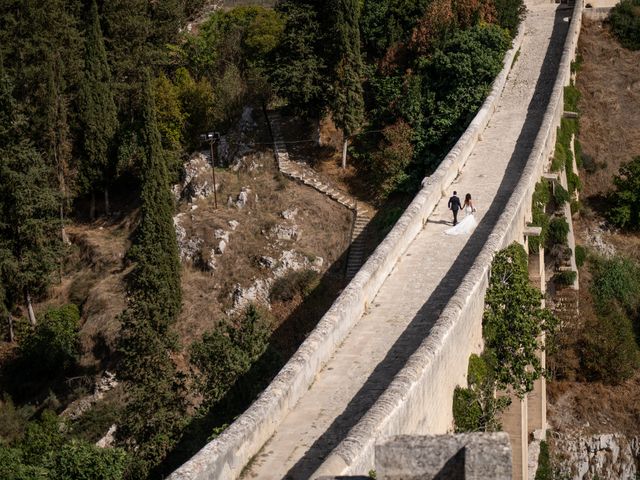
[
  {"x": 607, "y": 456},
  {"x": 198, "y": 179},
  {"x": 259, "y": 290},
  {"x": 103, "y": 384}
]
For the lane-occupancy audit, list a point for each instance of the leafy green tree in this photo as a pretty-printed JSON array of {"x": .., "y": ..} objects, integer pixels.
[
  {"x": 625, "y": 212},
  {"x": 98, "y": 114},
  {"x": 346, "y": 96},
  {"x": 513, "y": 321},
  {"x": 29, "y": 225},
  {"x": 390, "y": 160},
  {"x": 476, "y": 408},
  {"x": 169, "y": 112},
  {"x": 197, "y": 100},
  {"x": 171, "y": 121},
  {"x": 458, "y": 77},
  {"x": 388, "y": 22},
  {"x": 31, "y": 33}
]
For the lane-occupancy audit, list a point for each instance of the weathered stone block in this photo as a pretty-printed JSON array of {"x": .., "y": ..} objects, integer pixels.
[{"x": 477, "y": 456}]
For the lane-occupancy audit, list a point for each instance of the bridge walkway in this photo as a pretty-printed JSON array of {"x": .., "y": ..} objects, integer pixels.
[{"x": 427, "y": 274}]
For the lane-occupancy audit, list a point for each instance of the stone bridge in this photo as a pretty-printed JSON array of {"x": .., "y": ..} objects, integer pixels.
[{"x": 386, "y": 357}]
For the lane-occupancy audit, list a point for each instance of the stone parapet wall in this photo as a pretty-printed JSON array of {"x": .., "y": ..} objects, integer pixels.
[
  {"x": 419, "y": 399},
  {"x": 227, "y": 455}
]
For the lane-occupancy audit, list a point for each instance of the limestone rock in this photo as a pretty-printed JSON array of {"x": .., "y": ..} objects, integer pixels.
[
  {"x": 284, "y": 232},
  {"x": 605, "y": 456},
  {"x": 243, "y": 197},
  {"x": 221, "y": 247},
  {"x": 209, "y": 260},
  {"x": 221, "y": 235},
  {"x": 198, "y": 180},
  {"x": 289, "y": 214},
  {"x": 258, "y": 292},
  {"x": 233, "y": 224},
  {"x": 189, "y": 246},
  {"x": 105, "y": 383},
  {"x": 109, "y": 438},
  {"x": 595, "y": 240},
  {"x": 267, "y": 262}
]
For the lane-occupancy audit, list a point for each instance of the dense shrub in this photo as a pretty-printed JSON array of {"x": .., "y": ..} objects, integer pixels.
[
  {"x": 608, "y": 349},
  {"x": 571, "y": 98},
  {"x": 565, "y": 278},
  {"x": 624, "y": 20},
  {"x": 225, "y": 354},
  {"x": 581, "y": 255},
  {"x": 625, "y": 200},
  {"x": 297, "y": 283},
  {"x": 560, "y": 195},
  {"x": 510, "y": 13},
  {"x": 46, "y": 453},
  {"x": 544, "y": 471},
  {"x": 558, "y": 231},
  {"x": 615, "y": 280},
  {"x": 51, "y": 348}
]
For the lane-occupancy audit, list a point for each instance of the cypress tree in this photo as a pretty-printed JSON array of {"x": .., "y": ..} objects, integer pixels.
[
  {"x": 98, "y": 115},
  {"x": 154, "y": 414},
  {"x": 58, "y": 140},
  {"x": 347, "y": 103},
  {"x": 156, "y": 278},
  {"x": 29, "y": 244}
]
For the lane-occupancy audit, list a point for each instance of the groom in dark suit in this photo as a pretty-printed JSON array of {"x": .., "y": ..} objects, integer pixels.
[{"x": 454, "y": 206}]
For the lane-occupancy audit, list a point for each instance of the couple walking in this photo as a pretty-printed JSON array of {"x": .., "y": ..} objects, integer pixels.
[{"x": 468, "y": 223}]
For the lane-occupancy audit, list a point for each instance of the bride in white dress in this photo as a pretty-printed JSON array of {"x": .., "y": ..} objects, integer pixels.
[{"x": 468, "y": 223}]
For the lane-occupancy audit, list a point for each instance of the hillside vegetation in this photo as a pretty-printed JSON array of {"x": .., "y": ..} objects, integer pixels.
[
  {"x": 596, "y": 364},
  {"x": 101, "y": 103}
]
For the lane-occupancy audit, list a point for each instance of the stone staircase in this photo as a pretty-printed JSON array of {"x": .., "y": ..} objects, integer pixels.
[
  {"x": 306, "y": 175},
  {"x": 358, "y": 245}
]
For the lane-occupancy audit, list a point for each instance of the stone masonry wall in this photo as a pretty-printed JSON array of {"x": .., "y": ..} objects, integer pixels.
[
  {"x": 226, "y": 456},
  {"x": 419, "y": 398}
]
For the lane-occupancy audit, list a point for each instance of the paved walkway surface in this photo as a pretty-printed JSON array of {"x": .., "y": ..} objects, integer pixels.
[{"x": 427, "y": 275}]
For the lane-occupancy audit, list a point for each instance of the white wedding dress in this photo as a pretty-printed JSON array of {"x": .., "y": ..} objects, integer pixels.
[{"x": 466, "y": 225}]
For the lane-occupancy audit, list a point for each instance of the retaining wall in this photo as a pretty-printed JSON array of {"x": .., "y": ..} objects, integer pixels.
[
  {"x": 227, "y": 455},
  {"x": 419, "y": 400}
]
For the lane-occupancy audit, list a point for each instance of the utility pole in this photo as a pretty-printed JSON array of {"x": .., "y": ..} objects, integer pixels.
[{"x": 212, "y": 138}]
